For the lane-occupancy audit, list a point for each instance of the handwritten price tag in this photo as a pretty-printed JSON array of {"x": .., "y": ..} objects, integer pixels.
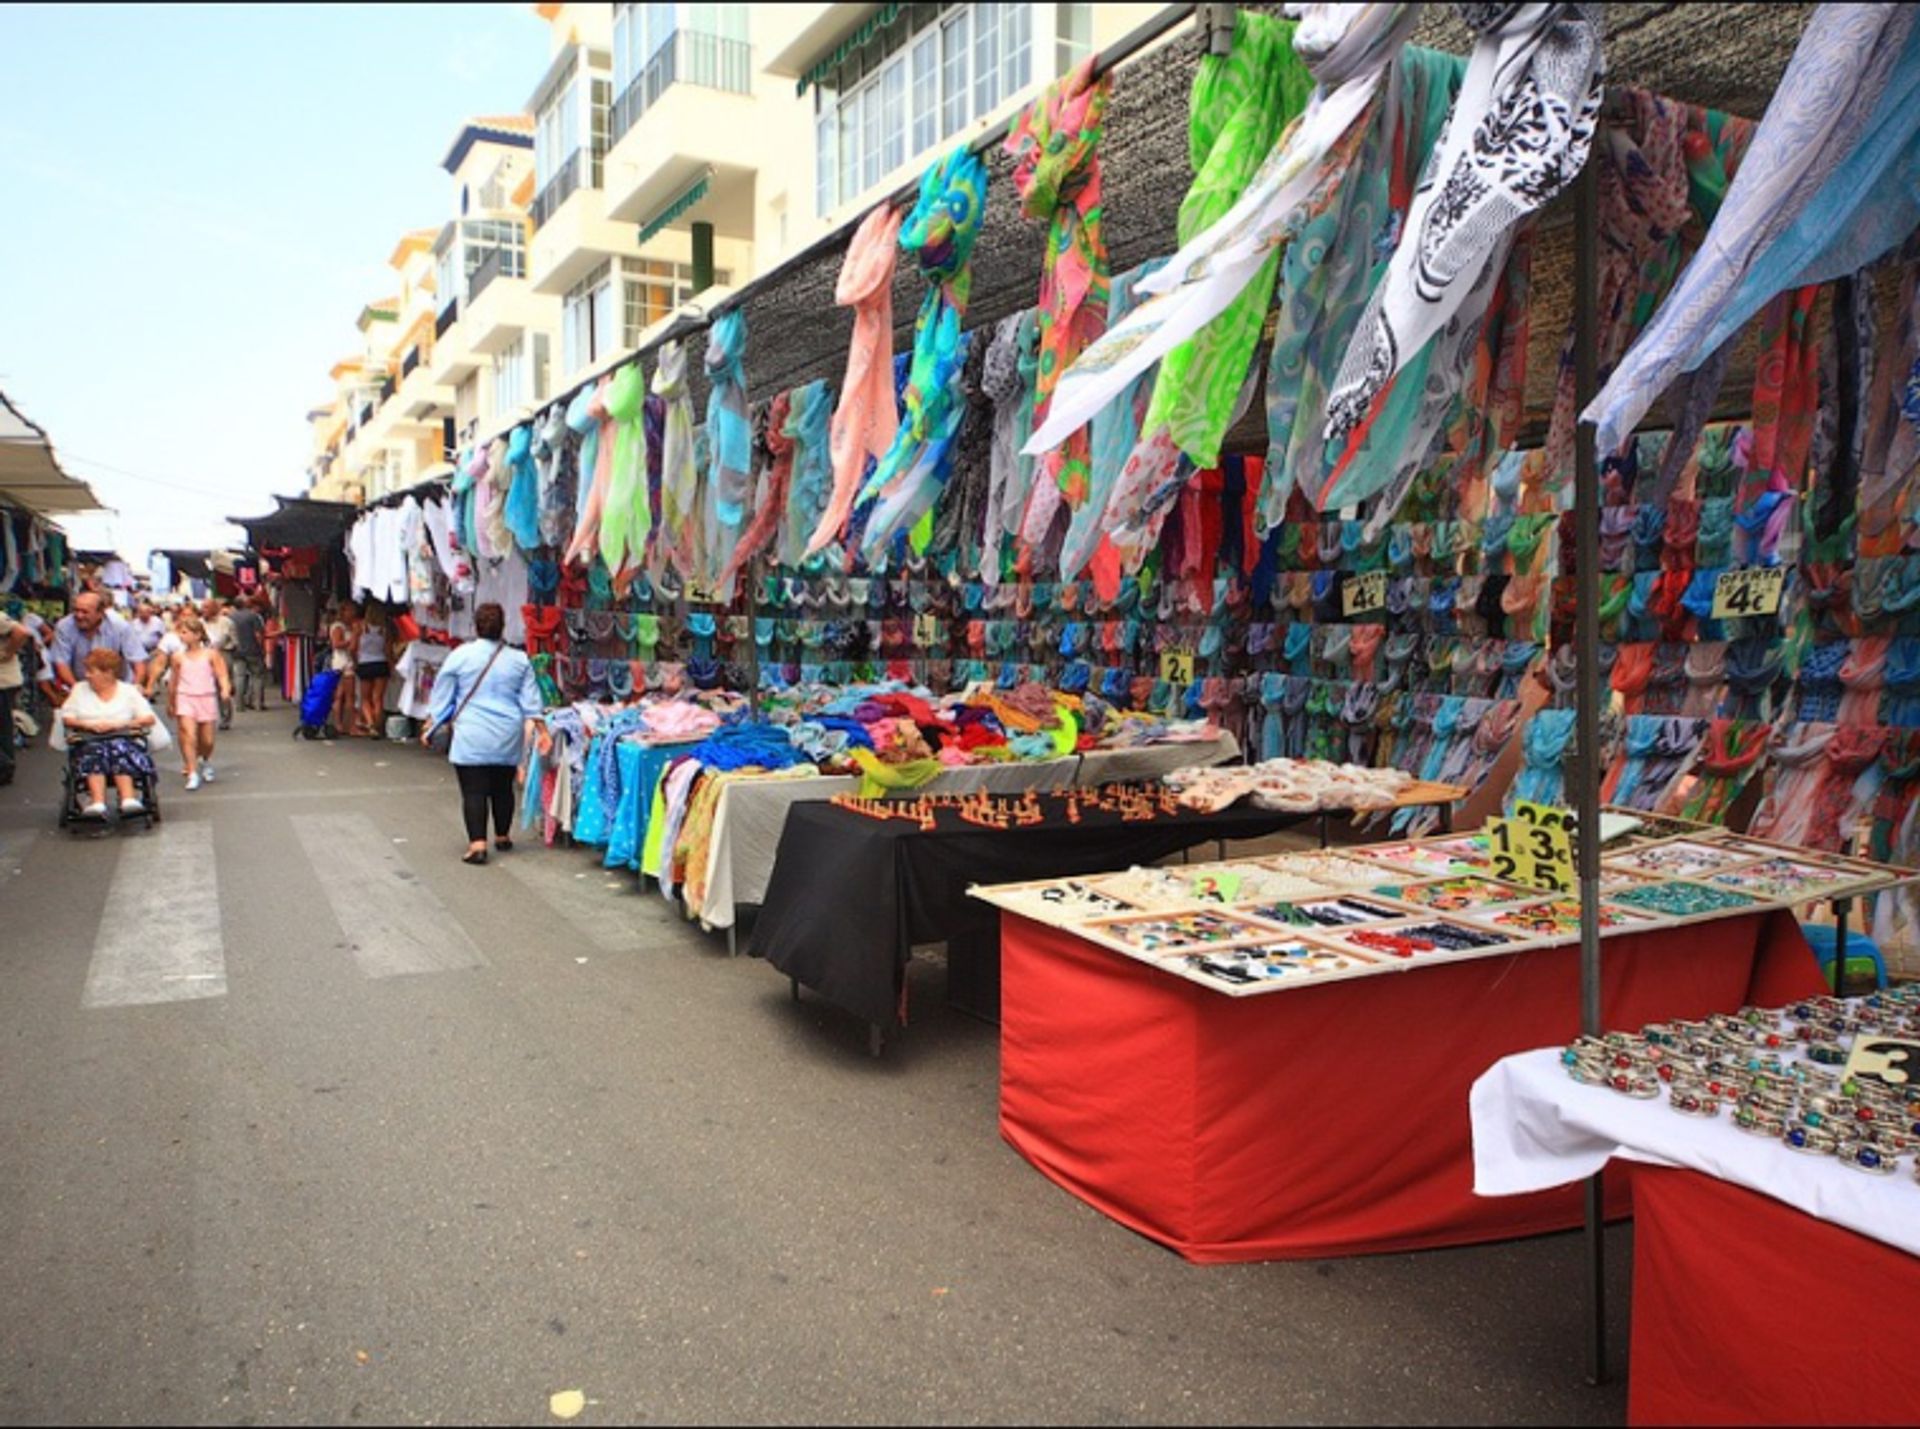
[
  {"x": 1176, "y": 666},
  {"x": 1361, "y": 595},
  {"x": 1534, "y": 847},
  {"x": 926, "y": 631},
  {"x": 1753, "y": 591}
]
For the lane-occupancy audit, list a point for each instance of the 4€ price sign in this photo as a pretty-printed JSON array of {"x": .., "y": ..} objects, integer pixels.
[{"x": 1534, "y": 847}]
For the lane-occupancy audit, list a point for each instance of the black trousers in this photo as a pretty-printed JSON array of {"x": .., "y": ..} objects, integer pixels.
[{"x": 481, "y": 785}]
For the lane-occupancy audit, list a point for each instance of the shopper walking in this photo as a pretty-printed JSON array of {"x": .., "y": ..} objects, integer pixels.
[
  {"x": 14, "y": 636},
  {"x": 342, "y": 632},
  {"x": 200, "y": 685},
  {"x": 248, "y": 657},
  {"x": 219, "y": 627},
  {"x": 487, "y": 694},
  {"x": 371, "y": 670}
]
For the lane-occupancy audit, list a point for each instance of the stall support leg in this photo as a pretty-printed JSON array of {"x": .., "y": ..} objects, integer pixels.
[
  {"x": 1841, "y": 907},
  {"x": 1220, "y": 849},
  {"x": 1326, "y": 829},
  {"x": 733, "y": 937},
  {"x": 793, "y": 985},
  {"x": 876, "y": 1039}
]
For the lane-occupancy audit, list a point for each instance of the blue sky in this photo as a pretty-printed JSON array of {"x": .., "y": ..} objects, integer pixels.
[{"x": 199, "y": 200}]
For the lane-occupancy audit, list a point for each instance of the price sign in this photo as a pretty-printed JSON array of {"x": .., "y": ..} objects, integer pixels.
[
  {"x": 1176, "y": 666},
  {"x": 1534, "y": 847},
  {"x": 1361, "y": 595},
  {"x": 1753, "y": 591},
  {"x": 698, "y": 594},
  {"x": 926, "y": 631}
]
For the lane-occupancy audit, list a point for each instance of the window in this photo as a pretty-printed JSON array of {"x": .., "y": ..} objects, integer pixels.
[
  {"x": 586, "y": 319},
  {"x": 556, "y": 133},
  {"x": 953, "y": 71},
  {"x": 654, "y": 288},
  {"x": 1073, "y": 28},
  {"x": 917, "y": 83},
  {"x": 602, "y": 91},
  {"x": 510, "y": 386},
  {"x": 926, "y": 92}
]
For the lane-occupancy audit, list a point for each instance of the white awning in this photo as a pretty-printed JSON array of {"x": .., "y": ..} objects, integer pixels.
[{"x": 29, "y": 474}]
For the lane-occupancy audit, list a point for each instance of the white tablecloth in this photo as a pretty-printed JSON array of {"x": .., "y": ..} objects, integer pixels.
[
  {"x": 1535, "y": 1127},
  {"x": 750, "y": 813}
]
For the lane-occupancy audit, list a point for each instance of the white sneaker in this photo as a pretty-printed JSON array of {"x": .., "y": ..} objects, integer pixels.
[
  {"x": 193, "y": 782},
  {"x": 131, "y": 806},
  {"x": 95, "y": 811},
  {"x": 206, "y": 773}
]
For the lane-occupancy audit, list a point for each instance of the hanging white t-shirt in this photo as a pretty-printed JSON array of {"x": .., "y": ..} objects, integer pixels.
[
  {"x": 360, "y": 554},
  {"x": 504, "y": 582},
  {"x": 417, "y": 670}
]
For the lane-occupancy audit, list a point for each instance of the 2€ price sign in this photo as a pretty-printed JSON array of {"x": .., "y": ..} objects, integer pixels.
[
  {"x": 1534, "y": 847},
  {"x": 926, "y": 631},
  {"x": 1361, "y": 595},
  {"x": 1176, "y": 666},
  {"x": 1754, "y": 590}
]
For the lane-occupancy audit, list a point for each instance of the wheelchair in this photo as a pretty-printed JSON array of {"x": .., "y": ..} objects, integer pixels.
[{"x": 73, "y": 792}]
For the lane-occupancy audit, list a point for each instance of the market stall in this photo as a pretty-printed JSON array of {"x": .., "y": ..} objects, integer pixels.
[
  {"x": 1783, "y": 1182},
  {"x": 912, "y": 862},
  {"x": 1197, "y": 1068}
]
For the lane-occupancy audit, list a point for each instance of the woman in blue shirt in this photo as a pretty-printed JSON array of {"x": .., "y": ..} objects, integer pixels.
[{"x": 486, "y": 688}]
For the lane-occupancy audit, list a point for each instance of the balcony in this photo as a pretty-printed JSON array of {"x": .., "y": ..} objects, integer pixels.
[
  {"x": 574, "y": 234},
  {"x": 688, "y": 115},
  {"x": 690, "y": 57},
  {"x": 559, "y": 189},
  {"x": 449, "y": 315},
  {"x": 409, "y": 362},
  {"x": 501, "y": 304}
]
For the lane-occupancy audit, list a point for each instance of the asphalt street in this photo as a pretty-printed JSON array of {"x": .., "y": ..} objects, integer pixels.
[{"x": 305, "y": 1121}]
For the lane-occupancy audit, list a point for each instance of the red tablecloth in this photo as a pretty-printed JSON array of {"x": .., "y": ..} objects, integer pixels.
[
  {"x": 1747, "y": 1311},
  {"x": 1327, "y": 1120}
]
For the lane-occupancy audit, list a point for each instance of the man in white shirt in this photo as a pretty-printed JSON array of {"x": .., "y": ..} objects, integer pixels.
[{"x": 13, "y": 637}]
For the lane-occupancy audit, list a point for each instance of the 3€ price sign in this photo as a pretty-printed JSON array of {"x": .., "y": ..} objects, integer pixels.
[
  {"x": 1363, "y": 594},
  {"x": 1176, "y": 666},
  {"x": 1534, "y": 847},
  {"x": 1754, "y": 590}
]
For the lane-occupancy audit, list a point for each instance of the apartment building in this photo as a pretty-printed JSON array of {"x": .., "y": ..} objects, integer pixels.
[
  {"x": 625, "y": 91},
  {"x": 670, "y": 152}
]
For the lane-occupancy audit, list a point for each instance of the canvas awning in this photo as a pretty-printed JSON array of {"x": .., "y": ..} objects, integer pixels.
[
  {"x": 30, "y": 476},
  {"x": 299, "y": 522}
]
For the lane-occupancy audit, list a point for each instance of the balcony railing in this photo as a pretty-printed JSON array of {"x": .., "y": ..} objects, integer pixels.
[
  {"x": 690, "y": 57},
  {"x": 449, "y": 315},
  {"x": 559, "y": 189},
  {"x": 409, "y": 362},
  {"x": 386, "y": 388},
  {"x": 496, "y": 263}
]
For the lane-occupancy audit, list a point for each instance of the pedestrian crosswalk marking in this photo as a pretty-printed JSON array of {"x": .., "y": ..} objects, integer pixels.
[
  {"x": 159, "y": 938},
  {"x": 395, "y": 925}
]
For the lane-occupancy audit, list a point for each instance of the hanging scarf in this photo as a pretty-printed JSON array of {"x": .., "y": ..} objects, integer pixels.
[
  {"x": 1798, "y": 756},
  {"x": 1055, "y": 144},
  {"x": 679, "y": 477},
  {"x": 729, "y": 432},
  {"x": 865, "y": 423},
  {"x": 1827, "y": 106},
  {"x": 940, "y": 232},
  {"x": 1892, "y": 453},
  {"x": 520, "y": 511},
  {"x": 770, "y": 499},
  {"x": 550, "y": 450},
  {"x": 1786, "y": 391},
  {"x": 1335, "y": 261},
  {"x": 1850, "y": 756},
  {"x": 1114, "y": 431},
  {"x": 1209, "y": 302},
  {"x": 1729, "y": 755},
  {"x": 626, "y": 519},
  {"x": 1011, "y": 361},
  {"x": 807, "y": 429},
  {"x": 1519, "y": 133}
]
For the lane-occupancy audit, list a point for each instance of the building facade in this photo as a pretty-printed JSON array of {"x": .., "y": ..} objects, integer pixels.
[{"x": 670, "y": 152}]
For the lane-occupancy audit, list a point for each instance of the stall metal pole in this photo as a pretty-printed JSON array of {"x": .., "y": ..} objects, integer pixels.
[{"x": 1587, "y": 693}]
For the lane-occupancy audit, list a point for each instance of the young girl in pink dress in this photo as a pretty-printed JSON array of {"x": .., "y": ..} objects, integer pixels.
[{"x": 200, "y": 683}]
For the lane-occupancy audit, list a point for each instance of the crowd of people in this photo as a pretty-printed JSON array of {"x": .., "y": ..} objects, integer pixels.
[{"x": 102, "y": 672}]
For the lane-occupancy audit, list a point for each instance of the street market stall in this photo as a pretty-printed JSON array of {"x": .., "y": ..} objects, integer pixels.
[
  {"x": 1784, "y": 1182},
  {"x": 1176, "y": 1060}
]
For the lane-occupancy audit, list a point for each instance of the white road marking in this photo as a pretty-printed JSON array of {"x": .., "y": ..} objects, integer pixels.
[
  {"x": 159, "y": 937},
  {"x": 395, "y": 925}
]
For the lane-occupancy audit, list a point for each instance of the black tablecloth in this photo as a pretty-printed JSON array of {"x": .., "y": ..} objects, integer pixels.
[{"x": 850, "y": 895}]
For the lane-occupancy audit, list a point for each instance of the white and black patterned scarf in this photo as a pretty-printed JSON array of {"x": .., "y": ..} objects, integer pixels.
[{"x": 1519, "y": 133}]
